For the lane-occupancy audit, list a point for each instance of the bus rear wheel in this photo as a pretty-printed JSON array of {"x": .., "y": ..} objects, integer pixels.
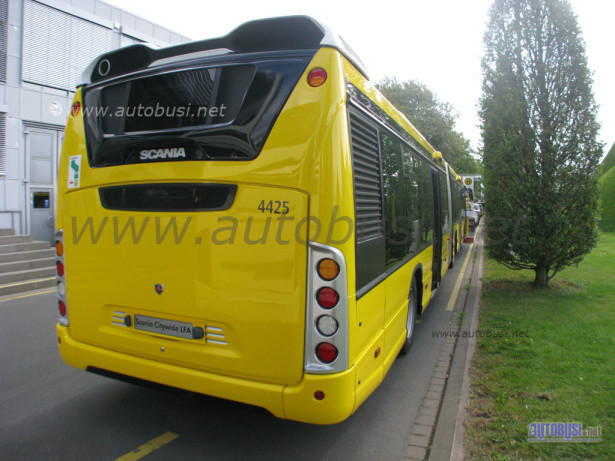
[
  {"x": 452, "y": 263},
  {"x": 411, "y": 320}
]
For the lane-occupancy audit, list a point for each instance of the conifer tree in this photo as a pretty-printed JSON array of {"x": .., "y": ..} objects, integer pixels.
[{"x": 539, "y": 128}]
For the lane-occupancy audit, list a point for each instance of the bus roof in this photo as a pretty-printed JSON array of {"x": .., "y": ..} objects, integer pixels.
[{"x": 271, "y": 34}]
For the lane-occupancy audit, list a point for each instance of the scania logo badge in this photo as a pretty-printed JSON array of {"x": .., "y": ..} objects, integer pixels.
[{"x": 159, "y": 288}]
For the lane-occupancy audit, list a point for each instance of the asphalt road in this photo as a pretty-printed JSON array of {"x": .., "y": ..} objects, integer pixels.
[{"x": 51, "y": 411}]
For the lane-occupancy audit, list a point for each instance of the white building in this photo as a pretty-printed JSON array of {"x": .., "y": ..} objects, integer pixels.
[{"x": 44, "y": 47}]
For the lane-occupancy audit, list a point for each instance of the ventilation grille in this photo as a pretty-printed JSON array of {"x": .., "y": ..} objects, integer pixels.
[
  {"x": 119, "y": 318},
  {"x": 367, "y": 178},
  {"x": 215, "y": 335},
  {"x": 3, "y": 36},
  {"x": 2, "y": 143}
]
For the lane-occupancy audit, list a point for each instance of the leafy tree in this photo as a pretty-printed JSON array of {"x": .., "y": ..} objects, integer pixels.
[
  {"x": 433, "y": 118},
  {"x": 539, "y": 133}
]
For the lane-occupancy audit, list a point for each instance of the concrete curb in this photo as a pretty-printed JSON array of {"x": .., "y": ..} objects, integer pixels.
[
  {"x": 437, "y": 433},
  {"x": 457, "y": 450},
  {"x": 447, "y": 443}
]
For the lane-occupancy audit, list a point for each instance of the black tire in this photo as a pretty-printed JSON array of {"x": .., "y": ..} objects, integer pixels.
[
  {"x": 452, "y": 256},
  {"x": 411, "y": 319}
]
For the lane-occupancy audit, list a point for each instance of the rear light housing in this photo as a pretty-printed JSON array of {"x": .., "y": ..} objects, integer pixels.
[
  {"x": 328, "y": 269},
  {"x": 326, "y": 323},
  {"x": 326, "y": 352},
  {"x": 75, "y": 109},
  {"x": 327, "y": 298},
  {"x": 61, "y": 278},
  {"x": 317, "y": 77}
]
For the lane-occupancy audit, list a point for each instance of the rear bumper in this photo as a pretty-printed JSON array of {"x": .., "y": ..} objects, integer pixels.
[{"x": 289, "y": 402}]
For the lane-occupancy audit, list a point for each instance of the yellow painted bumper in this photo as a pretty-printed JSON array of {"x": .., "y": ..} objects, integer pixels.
[{"x": 290, "y": 402}]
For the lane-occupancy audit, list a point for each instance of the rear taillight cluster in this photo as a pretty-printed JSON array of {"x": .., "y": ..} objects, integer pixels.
[
  {"x": 60, "y": 276},
  {"x": 326, "y": 329}
]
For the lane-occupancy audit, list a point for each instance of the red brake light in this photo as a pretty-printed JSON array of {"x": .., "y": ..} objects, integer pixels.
[
  {"x": 317, "y": 77},
  {"x": 327, "y": 298},
  {"x": 75, "y": 109},
  {"x": 62, "y": 308},
  {"x": 326, "y": 352},
  {"x": 60, "y": 268}
]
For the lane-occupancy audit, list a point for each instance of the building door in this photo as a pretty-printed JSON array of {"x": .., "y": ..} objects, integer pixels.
[
  {"x": 41, "y": 213},
  {"x": 41, "y": 167}
]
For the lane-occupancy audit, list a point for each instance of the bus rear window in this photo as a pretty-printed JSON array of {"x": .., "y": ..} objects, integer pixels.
[
  {"x": 175, "y": 100},
  {"x": 222, "y": 112}
]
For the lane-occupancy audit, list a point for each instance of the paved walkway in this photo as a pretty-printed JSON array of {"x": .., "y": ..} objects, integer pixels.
[{"x": 438, "y": 432}]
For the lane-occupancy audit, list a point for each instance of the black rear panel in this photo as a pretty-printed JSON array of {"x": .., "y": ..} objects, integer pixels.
[
  {"x": 212, "y": 112},
  {"x": 168, "y": 197}
]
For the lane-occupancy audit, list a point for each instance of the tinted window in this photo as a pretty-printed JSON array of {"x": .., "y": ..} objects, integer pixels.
[
  {"x": 396, "y": 220},
  {"x": 407, "y": 200},
  {"x": 175, "y": 100},
  {"x": 413, "y": 205},
  {"x": 444, "y": 203},
  {"x": 208, "y": 113},
  {"x": 425, "y": 201}
]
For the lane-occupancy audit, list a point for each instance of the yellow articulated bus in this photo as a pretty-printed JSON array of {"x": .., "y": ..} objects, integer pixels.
[
  {"x": 248, "y": 217},
  {"x": 458, "y": 207}
]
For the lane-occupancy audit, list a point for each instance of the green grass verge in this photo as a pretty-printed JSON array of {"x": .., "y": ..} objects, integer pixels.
[
  {"x": 563, "y": 372},
  {"x": 607, "y": 201},
  {"x": 608, "y": 162}
]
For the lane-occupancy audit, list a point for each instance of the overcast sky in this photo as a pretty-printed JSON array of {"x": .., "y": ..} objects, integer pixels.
[{"x": 435, "y": 42}]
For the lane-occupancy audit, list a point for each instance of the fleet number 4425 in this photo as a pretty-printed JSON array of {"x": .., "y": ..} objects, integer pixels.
[{"x": 273, "y": 206}]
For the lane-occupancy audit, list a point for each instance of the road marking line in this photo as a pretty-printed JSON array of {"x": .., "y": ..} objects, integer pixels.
[
  {"x": 453, "y": 298},
  {"x": 26, "y": 296},
  {"x": 148, "y": 447},
  {"x": 25, "y": 282}
]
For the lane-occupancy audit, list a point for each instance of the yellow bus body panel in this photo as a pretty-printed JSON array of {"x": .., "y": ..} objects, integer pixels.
[{"x": 252, "y": 308}]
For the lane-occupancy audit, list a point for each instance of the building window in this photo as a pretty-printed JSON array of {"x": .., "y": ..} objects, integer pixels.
[{"x": 57, "y": 47}]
